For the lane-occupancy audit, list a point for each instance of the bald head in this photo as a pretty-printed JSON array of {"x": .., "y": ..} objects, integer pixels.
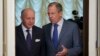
[
  {"x": 28, "y": 17},
  {"x": 24, "y": 11}
]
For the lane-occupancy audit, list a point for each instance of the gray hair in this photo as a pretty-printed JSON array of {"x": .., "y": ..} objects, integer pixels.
[{"x": 58, "y": 6}]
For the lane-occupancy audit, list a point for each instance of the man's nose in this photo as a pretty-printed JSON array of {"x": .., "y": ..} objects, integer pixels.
[
  {"x": 31, "y": 20},
  {"x": 50, "y": 15}
]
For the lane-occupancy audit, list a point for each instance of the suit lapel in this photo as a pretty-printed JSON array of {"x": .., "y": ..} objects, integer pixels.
[
  {"x": 49, "y": 36},
  {"x": 33, "y": 34},
  {"x": 22, "y": 37},
  {"x": 62, "y": 31},
  {"x": 49, "y": 32}
]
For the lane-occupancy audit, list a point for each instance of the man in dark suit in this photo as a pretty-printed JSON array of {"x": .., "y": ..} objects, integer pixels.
[
  {"x": 29, "y": 38},
  {"x": 62, "y": 36}
]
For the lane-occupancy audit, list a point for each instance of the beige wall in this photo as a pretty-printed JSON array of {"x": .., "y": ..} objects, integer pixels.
[
  {"x": 92, "y": 27},
  {"x": 9, "y": 27},
  {"x": 1, "y": 27}
]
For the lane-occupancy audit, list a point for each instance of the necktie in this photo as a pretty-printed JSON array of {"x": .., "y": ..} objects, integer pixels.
[
  {"x": 55, "y": 36},
  {"x": 28, "y": 40}
]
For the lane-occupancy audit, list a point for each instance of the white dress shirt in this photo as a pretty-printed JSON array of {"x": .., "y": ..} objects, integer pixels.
[
  {"x": 25, "y": 32},
  {"x": 60, "y": 23}
]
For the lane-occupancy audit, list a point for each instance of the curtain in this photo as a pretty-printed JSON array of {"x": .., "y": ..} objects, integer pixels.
[{"x": 40, "y": 7}]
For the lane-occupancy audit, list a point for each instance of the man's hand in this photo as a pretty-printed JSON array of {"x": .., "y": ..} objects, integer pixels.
[{"x": 63, "y": 52}]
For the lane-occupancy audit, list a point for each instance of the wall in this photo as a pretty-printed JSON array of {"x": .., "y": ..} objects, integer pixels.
[
  {"x": 92, "y": 27},
  {"x": 9, "y": 27},
  {"x": 1, "y": 27}
]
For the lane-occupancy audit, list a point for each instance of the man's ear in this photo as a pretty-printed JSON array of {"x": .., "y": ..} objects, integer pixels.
[
  {"x": 61, "y": 13},
  {"x": 21, "y": 17}
]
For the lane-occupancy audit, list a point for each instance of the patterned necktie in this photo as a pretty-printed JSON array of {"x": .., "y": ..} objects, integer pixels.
[
  {"x": 28, "y": 39},
  {"x": 55, "y": 36}
]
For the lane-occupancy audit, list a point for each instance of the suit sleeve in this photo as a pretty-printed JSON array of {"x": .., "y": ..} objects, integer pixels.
[{"x": 76, "y": 49}]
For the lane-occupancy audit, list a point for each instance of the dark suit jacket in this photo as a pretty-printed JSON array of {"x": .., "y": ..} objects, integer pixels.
[
  {"x": 37, "y": 47},
  {"x": 69, "y": 37}
]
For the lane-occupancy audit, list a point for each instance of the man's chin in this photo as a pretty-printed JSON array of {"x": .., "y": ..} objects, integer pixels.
[
  {"x": 29, "y": 27},
  {"x": 53, "y": 22}
]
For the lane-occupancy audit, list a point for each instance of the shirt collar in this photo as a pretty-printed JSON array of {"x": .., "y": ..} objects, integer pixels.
[
  {"x": 24, "y": 28},
  {"x": 60, "y": 22}
]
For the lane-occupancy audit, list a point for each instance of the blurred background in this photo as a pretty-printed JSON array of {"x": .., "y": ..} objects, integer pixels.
[{"x": 40, "y": 7}]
